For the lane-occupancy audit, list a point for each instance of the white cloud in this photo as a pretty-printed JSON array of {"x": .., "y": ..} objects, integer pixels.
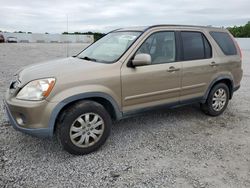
[{"x": 100, "y": 15}]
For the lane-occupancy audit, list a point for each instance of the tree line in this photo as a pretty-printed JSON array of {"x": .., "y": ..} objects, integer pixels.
[
  {"x": 96, "y": 35},
  {"x": 237, "y": 31},
  {"x": 240, "y": 31}
]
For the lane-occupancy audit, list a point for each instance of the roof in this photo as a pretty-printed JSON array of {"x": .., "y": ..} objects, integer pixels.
[
  {"x": 144, "y": 28},
  {"x": 138, "y": 28}
]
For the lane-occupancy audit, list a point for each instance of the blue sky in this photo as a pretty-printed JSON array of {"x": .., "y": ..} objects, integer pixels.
[{"x": 41, "y": 16}]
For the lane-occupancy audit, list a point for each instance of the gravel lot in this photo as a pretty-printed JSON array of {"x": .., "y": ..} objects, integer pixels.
[{"x": 170, "y": 148}]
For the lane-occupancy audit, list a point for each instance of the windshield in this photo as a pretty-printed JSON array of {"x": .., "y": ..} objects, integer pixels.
[{"x": 109, "y": 48}]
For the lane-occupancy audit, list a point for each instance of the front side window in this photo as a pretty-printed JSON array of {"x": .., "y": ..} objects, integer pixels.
[
  {"x": 195, "y": 46},
  {"x": 160, "y": 46},
  {"x": 110, "y": 48}
]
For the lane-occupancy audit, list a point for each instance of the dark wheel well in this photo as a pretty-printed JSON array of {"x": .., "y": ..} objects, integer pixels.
[
  {"x": 229, "y": 84},
  {"x": 104, "y": 102},
  {"x": 107, "y": 105}
]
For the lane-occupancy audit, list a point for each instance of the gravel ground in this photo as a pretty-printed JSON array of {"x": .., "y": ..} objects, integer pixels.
[{"x": 169, "y": 148}]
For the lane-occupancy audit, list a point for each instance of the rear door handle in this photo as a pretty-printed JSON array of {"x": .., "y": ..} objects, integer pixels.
[
  {"x": 213, "y": 64},
  {"x": 172, "y": 69}
]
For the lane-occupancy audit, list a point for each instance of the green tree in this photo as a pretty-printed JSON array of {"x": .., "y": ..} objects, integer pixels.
[
  {"x": 97, "y": 35},
  {"x": 240, "y": 31}
]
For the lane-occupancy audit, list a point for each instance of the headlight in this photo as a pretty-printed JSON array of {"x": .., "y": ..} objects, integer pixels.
[{"x": 37, "y": 89}]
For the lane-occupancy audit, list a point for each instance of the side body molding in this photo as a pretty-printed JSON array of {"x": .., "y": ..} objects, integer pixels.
[
  {"x": 118, "y": 113},
  {"x": 73, "y": 98}
]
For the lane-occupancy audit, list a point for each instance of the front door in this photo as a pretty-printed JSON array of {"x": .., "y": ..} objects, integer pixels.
[{"x": 155, "y": 84}]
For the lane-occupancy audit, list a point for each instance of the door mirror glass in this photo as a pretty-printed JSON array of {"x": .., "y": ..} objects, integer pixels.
[{"x": 141, "y": 59}]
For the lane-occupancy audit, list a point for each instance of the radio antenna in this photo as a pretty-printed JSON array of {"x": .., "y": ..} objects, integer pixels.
[{"x": 67, "y": 36}]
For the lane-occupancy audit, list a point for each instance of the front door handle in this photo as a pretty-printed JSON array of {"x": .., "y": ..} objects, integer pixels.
[
  {"x": 172, "y": 69},
  {"x": 213, "y": 64}
]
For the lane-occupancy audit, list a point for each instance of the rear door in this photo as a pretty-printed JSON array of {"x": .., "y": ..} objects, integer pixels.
[{"x": 198, "y": 65}]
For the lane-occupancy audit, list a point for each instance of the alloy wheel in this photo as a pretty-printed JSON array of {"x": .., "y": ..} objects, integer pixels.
[
  {"x": 219, "y": 99},
  {"x": 86, "y": 130}
]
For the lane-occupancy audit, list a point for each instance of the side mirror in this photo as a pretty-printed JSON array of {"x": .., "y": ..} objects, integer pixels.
[{"x": 141, "y": 59}]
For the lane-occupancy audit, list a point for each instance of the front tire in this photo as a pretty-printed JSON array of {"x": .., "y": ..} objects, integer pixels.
[
  {"x": 83, "y": 127},
  {"x": 217, "y": 100}
]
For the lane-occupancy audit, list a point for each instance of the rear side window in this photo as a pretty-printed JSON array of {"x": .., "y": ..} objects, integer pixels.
[
  {"x": 207, "y": 48},
  {"x": 195, "y": 46},
  {"x": 225, "y": 42}
]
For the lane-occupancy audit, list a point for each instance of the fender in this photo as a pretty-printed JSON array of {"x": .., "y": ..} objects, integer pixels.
[
  {"x": 216, "y": 80},
  {"x": 73, "y": 98}
]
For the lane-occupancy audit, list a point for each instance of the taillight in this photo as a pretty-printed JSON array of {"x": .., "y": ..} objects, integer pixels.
[{"x": 238, "y": 48}]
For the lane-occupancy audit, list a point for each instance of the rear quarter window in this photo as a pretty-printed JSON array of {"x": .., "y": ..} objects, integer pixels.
[{"x": 225, "y": 42}]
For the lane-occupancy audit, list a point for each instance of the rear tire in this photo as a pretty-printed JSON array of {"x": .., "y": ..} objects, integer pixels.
[
  {"x": 83, "y": 127},
  {"x": 217, "y": 100}
]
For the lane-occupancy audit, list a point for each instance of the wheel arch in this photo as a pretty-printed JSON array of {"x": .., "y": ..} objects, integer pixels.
[
  {"x": 222, "y": 79},
  {"x": 102, "y": 98}
]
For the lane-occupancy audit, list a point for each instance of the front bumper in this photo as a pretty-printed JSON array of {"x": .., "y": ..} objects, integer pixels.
[{"x": 35, "y": 129}]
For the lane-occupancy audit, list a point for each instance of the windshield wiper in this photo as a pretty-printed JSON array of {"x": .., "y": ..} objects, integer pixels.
[{"x": 87, "y": 58}]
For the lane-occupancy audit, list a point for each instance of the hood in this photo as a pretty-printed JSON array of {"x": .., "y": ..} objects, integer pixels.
[{"x": 58, "y": 68}]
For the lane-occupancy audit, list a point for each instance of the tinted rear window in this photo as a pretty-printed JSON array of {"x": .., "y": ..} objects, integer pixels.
[
  {"x": 225, "y": 42},
  {"x": 208, "y": 48},
  {"x": 195, "y": 46}
]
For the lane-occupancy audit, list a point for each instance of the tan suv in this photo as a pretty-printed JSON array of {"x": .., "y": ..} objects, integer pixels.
[{"x": 126, "y": 72}]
